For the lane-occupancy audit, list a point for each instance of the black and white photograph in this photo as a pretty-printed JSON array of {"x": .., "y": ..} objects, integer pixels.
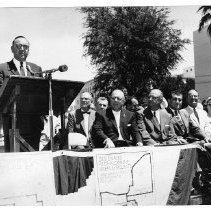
[{"x": 105, "y": 103}]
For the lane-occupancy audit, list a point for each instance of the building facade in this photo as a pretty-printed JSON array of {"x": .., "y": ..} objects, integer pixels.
[{"x": 202, "y": 63}]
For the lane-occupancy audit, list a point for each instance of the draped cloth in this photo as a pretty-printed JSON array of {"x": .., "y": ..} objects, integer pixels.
[
  {"x": 70, "y": 173},
  {"x": 182, "y": 183}
]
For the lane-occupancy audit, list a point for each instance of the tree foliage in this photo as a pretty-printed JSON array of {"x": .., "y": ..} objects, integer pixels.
[
  {"x": 205, "y": 19},
  {"x": 131, "y": 47}
]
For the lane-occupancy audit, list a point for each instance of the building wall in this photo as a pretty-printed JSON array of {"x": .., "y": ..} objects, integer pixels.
[
  {"x": 188, "y": 72},
  {"x": 202, "y": 61}
]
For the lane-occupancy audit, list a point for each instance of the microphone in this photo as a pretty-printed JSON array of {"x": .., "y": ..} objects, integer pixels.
[{"x": 61, "y": 68}]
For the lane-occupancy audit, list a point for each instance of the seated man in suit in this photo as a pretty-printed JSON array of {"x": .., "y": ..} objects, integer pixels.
[
  {"x": 158, "y": 121},
  {"x": 184, "y": 127},
  {"x": 114, "y": 127},
  {"x": 81, "y": 120},
  {"x": 29, "y": 125},
  {"x": 197, "y": 115}
]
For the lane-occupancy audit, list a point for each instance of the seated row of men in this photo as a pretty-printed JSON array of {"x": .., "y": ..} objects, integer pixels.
[{"x": 118, "y": 127}]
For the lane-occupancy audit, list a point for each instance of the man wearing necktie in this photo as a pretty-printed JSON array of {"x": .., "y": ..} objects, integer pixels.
[
  {"x": 158, "y": 121},
  {"x": 30, "y": 126},
  {"x": 81, "y": 120},
  {"x": 183, "y": 126},
  {"x": 197, "y": 115},
  {"x": 115, "y": 126}
]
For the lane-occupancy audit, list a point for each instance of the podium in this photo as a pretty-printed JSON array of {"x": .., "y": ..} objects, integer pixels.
[{"x": 25, "y": 97}]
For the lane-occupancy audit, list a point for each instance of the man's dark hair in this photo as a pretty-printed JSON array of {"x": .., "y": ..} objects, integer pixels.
[
  {"x": 175, "y": 92},
  {"x": 17, "y": 37}
]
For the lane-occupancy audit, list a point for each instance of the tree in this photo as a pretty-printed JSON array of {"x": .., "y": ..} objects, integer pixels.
[
  {"x": 206, "y": 18},
  {"x": 131, "y": 47}
]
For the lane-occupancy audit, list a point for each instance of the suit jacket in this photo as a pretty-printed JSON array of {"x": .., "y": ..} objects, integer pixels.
[
  {"x": 30, "y": 126},
  {"x": 75, "y": 123},
  {"x": 9, "y": 68},
  {"x": 105, "y": 127},
  {"x": 163, "y": 133},
  {"x": 184, "y": 126}
]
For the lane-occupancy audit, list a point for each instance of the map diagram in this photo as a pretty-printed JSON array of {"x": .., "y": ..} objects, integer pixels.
[{"x": 125, "y": 178}]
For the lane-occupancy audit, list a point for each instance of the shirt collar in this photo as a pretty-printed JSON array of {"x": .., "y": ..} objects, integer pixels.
[
  {"x": 191, "y": 108},
  {"x": 17, "y": 63},
  {"x": 116, "y": 111}
]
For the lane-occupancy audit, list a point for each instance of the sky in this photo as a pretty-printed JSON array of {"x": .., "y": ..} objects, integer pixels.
[{"x": 55, "y": 34}]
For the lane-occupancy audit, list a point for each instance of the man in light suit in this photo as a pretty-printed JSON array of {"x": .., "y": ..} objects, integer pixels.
[
  {"x": 115, "y": 126},
  {"x": 81, "y": 120},
  {"x": 158, "y": 121},
  {"x": 183, "y": 125},
  {"x": 197, "y": 115},
  {"x": 30, "y": 126}
]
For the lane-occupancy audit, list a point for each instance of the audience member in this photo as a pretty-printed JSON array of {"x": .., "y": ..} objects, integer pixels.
[
  {"x": 184, "y": 128},
  {"x": 197, "y": 115},
  {"x": 82, "y": 119},
  {"x": 113, "y": 127},
  {"x": 158, "y": 121},
  {"x": 102, "y": 104}
]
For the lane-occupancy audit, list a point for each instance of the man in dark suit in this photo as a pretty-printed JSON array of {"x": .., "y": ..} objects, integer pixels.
[
  {"x": 81, "y": 120},
  {"x": 158, "y": 121},
  {"x": 29, "y": 126},
  {"x": 115, "y": 126},
  {"x": 183, "y": 125}
]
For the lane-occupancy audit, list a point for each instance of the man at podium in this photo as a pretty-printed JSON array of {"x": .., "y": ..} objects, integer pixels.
[{"x": 19, "y": 66}]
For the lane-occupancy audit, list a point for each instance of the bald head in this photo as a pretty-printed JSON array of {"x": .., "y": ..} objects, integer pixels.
[
  {"x": 117, "y": 100},
  {"x": 155, "y": 99},
  {"x": 193, "y": 98}
]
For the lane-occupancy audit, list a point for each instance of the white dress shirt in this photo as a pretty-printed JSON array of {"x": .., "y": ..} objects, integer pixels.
[
  {"x": 117, "y": 118},
  {"x": 18, "y": 65},
  {"x": 86, "y": 123},
  {"x": 203, "y": 118}
]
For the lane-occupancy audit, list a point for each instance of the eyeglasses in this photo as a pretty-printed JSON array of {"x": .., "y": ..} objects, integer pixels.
[
  {"x": 116, "y": 98},
  {"x": 19, "y": 46}
]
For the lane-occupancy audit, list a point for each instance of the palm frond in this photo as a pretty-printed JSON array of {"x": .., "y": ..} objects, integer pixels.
[
  {"x": 204, "y": 9},
  {"x": 204, "y": 20}
]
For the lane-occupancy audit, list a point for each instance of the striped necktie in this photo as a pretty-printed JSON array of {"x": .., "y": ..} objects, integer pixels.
[
  {"x": 22, "y": 72},
  {"x": 196, "y": 114}
]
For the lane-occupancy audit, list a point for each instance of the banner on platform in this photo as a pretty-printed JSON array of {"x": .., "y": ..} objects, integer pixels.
[{"x": 117, "y": 176}]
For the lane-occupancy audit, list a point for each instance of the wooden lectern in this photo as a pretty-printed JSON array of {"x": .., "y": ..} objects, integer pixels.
[{"x": 29, "y": 96}]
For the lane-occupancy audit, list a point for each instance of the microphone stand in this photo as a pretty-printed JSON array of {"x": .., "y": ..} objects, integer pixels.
[{"x": 49, "y": 77}]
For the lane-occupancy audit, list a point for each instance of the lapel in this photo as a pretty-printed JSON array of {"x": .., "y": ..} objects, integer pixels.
[
  {"x": 162, "y": 119},
  {"x": 151, "y": 121},
  {"x": 168, "y": 109},
  {"x": 91, "y": 119},
  {"x": 112, "y": 118},
  {"x": 80, "y": 119},
  {"x": 122, "y": 118},
  {"x": 29, "y": 69},
  {"x": 184, "y": 119},
  {"x": 12, "y": 68}
]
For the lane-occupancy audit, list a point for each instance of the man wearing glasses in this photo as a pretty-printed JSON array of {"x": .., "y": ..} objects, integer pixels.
[
  {"x": 115, "y": 126},
  {"x": 158, "y": 121},
  {"x": 29, "y": 126}
]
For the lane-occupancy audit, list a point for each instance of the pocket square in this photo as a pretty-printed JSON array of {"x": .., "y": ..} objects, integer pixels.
[{"x": 128, "y": 125}]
